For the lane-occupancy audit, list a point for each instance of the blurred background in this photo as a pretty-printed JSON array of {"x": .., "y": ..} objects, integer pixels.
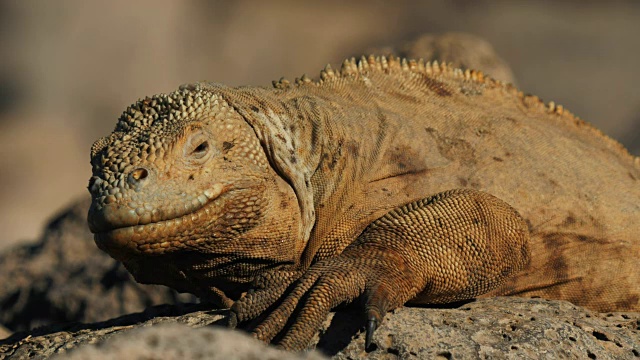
[{"x": 68, "y": 69}]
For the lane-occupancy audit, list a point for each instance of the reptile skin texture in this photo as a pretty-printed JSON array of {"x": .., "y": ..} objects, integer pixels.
[{"x": 391, "y": 181}]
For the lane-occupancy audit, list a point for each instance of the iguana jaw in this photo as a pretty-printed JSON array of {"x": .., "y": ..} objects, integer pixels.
[
  {"x": 106, "y": 218},
  {"x": 146, "y": 228}
]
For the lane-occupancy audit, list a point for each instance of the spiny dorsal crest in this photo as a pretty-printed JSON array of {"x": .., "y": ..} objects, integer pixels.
[{"x": 352, "y": 68}]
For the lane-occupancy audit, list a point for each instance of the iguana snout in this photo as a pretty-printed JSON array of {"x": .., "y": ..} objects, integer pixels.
[{"x": 155, "y": 195}]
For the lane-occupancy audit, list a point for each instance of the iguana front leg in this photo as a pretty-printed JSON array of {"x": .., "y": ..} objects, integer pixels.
[{"x": 452, "y": 246}]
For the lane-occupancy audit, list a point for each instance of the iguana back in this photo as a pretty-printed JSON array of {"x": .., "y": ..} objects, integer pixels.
[{"x": 392, "y": 132}]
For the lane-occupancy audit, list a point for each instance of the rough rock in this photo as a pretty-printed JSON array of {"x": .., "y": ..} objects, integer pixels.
[
  {"x": 494, "y": 328},
  {"x": 160, "y": 332},
  {"x": 463, "y": 50},
  {"x": 500, "y": 328},
  {"x": 64, "y": 277},
  {"x": 169, "y": 342}
]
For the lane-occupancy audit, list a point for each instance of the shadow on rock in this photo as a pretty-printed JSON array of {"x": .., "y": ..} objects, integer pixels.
[{"x": 64, "y": 277}]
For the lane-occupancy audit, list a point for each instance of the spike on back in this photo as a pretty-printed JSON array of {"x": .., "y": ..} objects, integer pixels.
[
  {"x": 328, "y": 73},
  {"x": 384, "y": 65},
  {"x": 281, "y": 84},
  {"x": 405, "y": 64},
  {"x": 304, "y": 79},
  {"x": 349, "y": 67},
  {"x": 555, "y": 108}
]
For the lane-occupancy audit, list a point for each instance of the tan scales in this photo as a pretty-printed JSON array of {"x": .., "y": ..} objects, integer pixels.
[{"x": 312, "y": 194}]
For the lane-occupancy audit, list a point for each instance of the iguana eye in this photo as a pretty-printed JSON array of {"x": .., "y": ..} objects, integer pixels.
[
  {"x": 198, "y": 146},
  {"x": 201, "y": 149}
]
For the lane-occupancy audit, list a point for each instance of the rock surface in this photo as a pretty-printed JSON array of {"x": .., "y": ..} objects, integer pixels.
[
  {"x": 496, "y": 328},
  {"x": 64, "y": 277},
  {"x": 500, "y": 328},
  {"x": 173, "y": 341}
]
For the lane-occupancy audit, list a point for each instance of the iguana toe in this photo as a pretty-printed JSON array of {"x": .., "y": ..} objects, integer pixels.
[{"x": 232, "y": 321}]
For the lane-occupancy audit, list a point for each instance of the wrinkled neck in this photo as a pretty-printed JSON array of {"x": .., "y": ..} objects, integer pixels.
[{"x": 290, "y": 128}]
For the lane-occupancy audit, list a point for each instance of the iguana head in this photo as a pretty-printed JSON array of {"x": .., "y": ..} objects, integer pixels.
[{"x": 182, "y": 192}]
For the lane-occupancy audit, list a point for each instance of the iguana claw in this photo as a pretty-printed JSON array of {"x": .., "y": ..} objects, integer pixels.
[
  {"x": 232, "y": 322},
  {"x": 372, "y": 325}
]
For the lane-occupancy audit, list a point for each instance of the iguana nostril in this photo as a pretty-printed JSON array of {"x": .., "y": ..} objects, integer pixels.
[{"x": 138, "y": 175}]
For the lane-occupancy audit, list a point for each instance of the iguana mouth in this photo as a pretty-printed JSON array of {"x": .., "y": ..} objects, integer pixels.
[{"x": 113, "y": 221}]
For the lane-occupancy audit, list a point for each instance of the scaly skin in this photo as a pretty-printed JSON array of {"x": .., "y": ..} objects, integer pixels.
[{"x": 306, "y": 196}]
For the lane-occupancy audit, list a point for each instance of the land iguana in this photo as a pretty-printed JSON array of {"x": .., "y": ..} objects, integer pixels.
[{"x": 391, "y": 181}]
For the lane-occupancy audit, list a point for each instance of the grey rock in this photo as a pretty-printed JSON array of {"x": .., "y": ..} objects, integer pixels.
[
  {"x": 496, "y": 328},
  {"x": 64, "y": 277},
  {"x": 161, "y": 332},
  {"x": 503, "y": 328},
  {"x": 174, "y": 341},
  {"x": 55, "y": 339}
]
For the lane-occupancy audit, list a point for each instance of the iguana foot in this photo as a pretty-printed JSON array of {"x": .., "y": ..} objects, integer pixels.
[
  {"x": 324, "y": 286},
  {"x": 357, "y": 273}
]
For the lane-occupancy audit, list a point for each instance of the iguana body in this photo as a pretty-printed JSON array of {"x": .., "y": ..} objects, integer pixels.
[{"x": 330, "y": 186}]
